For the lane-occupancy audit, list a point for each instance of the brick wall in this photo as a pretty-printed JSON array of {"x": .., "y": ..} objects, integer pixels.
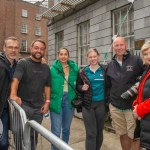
[
  {"x": 7, "y": 12},
  {"x": 11, "y": 22}
]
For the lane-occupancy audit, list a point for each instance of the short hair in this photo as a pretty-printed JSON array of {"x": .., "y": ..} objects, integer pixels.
[
  {"x": 13, "y": 38},
  {"x": 92, "y": 50},
  {"x": 145, "y": 47},
  {"x": 38, "y": 40},
  {"x": 65, "y": 49}
]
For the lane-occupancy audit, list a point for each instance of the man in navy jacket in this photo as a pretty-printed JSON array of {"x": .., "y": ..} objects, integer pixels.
[{"x": 122, "y": 73}]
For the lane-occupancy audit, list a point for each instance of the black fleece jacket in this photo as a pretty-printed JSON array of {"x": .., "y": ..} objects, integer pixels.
[
  {"x": 87, "y": 96},
  {"x": 6, "y": 73},
  {"x": 121, "y": 78}
]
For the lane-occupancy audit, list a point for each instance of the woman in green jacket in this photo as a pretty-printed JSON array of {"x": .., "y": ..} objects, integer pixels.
[{"x": 61, "y": 109}]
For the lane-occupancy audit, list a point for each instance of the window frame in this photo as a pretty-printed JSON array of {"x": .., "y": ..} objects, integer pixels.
[
  {"x": 59, "y": 43},
  {"x": 24, "y": 13},
  {"x": 38, "y": 17},
  {"x": 82, "y": 61},
  {"x": 24, "y": 28},
  {"x": 129, "y": 24},
  {"x": 38, "y": 31},
  {"x": 26, "y": 46}
]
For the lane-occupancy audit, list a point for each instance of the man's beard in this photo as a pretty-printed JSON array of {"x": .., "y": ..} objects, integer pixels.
[{"x": 38, "y": 58}]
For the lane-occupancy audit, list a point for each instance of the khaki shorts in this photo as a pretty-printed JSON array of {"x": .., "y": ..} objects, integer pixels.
[{"x": 123, "y": 121}]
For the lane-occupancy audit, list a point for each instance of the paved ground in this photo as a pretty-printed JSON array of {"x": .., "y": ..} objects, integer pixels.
[{"x": 77, "y": 137}]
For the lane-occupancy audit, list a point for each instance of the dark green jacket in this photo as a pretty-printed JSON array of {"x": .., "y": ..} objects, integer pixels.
[{"x": 58, "y": 84}]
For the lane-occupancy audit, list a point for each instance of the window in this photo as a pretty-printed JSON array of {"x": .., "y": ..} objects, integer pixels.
[
  {"x": 59, "y": 38},
  {"x": 24, "y": 13},
  {"x": 83, "y": 42},
  {"x": 23, "y": 46},
  {"x": 24, "y": 28},
  {"x": 123, "y": 25},
  {"x": 38, "y": 17},
  {"x": 38, "y": 31}
]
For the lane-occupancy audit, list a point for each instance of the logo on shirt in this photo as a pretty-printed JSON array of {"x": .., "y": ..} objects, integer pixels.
[
  {"x": 101, "y": 77},
  {"x": 129, "y": 68}
]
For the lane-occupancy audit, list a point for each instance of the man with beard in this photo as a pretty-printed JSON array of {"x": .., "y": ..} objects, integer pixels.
[{"x": 30, "y": 87}]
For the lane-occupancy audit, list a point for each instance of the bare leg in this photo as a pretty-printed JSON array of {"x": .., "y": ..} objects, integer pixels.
[
  {"x": 126, "y": 142},
  {"x": 136, "y": 145}
]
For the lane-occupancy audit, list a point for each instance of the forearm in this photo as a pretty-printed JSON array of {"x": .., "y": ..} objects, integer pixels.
[
  {"x": 143, "y": 108},
  {"x": 14, "y": 87},
  {"x": 45, "y": 107},
  {"x": 47, "y": 92},
  {"x": 13, "y": 91}
]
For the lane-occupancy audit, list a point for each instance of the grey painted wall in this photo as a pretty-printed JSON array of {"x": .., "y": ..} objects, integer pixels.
[
  {"x": 99, "y": 15},
  {"x": 142, "y": 19}
]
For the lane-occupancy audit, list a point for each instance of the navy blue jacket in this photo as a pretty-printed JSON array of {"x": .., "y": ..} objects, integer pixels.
[
  {"x": 6, "y": 73},
  {"x": 121, "y": 78}
]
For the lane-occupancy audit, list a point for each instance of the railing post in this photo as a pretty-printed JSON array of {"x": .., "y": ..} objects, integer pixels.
[
  {"x": 23, "y": 118},
  {"x": 61, "y": 145},
  {"x": 26, "y": 137}
]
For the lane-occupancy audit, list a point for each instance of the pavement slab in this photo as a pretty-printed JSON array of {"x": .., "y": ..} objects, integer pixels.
[{"x": 77, "y": 137}]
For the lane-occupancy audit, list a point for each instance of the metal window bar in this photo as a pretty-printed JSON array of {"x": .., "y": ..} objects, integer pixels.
[
  {"x": 17, "y": 120},
  {"x": 57, "y": 142}
]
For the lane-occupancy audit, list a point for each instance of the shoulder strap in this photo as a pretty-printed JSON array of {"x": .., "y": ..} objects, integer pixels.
[{"x": 60, "y": 72}]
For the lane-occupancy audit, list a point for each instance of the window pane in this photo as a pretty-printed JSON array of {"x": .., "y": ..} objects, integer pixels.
[
  {"x": 38, "y": 31},
  {"x": 123, "y": 19},
  {"x": 116, "y": 17},
  {"x": 59, "y": 38},
  {"x": 24, "y": 28},
  {"x": 83, "y": 42},
  {"x": 24, "y": 45},
  {"x": 123, "y": 15},
  {"x": 116, "y": 30},
  {"x": 124, "y": 29},
  {"x": 83, "y": 55},
  {"x": 24, "y": 13}
]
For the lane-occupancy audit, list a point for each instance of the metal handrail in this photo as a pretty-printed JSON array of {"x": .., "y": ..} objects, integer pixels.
[
  {"x": 22, "y": 117},
  {"x": 20, "y": 110},
  {"x": 46, "y": 134}
]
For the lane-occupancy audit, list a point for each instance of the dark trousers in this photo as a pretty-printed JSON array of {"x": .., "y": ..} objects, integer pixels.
[
  {"x": 94, "y": 119},
  {"x": 32, "y": 114},
  {"x": 4, "y": 138}
]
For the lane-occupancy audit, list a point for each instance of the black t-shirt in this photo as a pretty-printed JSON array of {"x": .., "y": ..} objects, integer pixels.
[{"x": 33, "y": 77}]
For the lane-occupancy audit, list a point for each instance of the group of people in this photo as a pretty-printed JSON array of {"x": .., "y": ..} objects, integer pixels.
[{"x": 39, "y": 89}]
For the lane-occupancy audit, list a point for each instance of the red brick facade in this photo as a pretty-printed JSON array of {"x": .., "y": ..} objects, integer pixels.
[{"x": 11, "y": 21}]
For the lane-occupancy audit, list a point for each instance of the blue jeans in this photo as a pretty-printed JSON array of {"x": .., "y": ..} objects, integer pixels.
[
  {"x": 62, "y": 121},
  {"x": 4, "y": 139}
]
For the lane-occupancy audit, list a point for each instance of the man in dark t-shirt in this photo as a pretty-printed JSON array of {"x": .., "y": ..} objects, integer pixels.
[{"x": 31, "y": 81}]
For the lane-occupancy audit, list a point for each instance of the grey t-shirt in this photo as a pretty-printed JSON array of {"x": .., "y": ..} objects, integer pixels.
[{"x": 33, "y": 77}]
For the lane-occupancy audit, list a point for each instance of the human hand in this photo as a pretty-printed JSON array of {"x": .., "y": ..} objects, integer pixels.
[
  {"x": 135, "y": 113},
  {"x": 85, "y": 87},
  {"x": 16, "y": 99},
  {"x": 45, "y": 108}
]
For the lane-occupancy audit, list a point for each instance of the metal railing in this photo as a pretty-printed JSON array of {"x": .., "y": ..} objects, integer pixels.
[
  {"x": 18, "y": 120},
  {"x": 46, "y": 134},
  {"x": 21, "y": 129}
]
